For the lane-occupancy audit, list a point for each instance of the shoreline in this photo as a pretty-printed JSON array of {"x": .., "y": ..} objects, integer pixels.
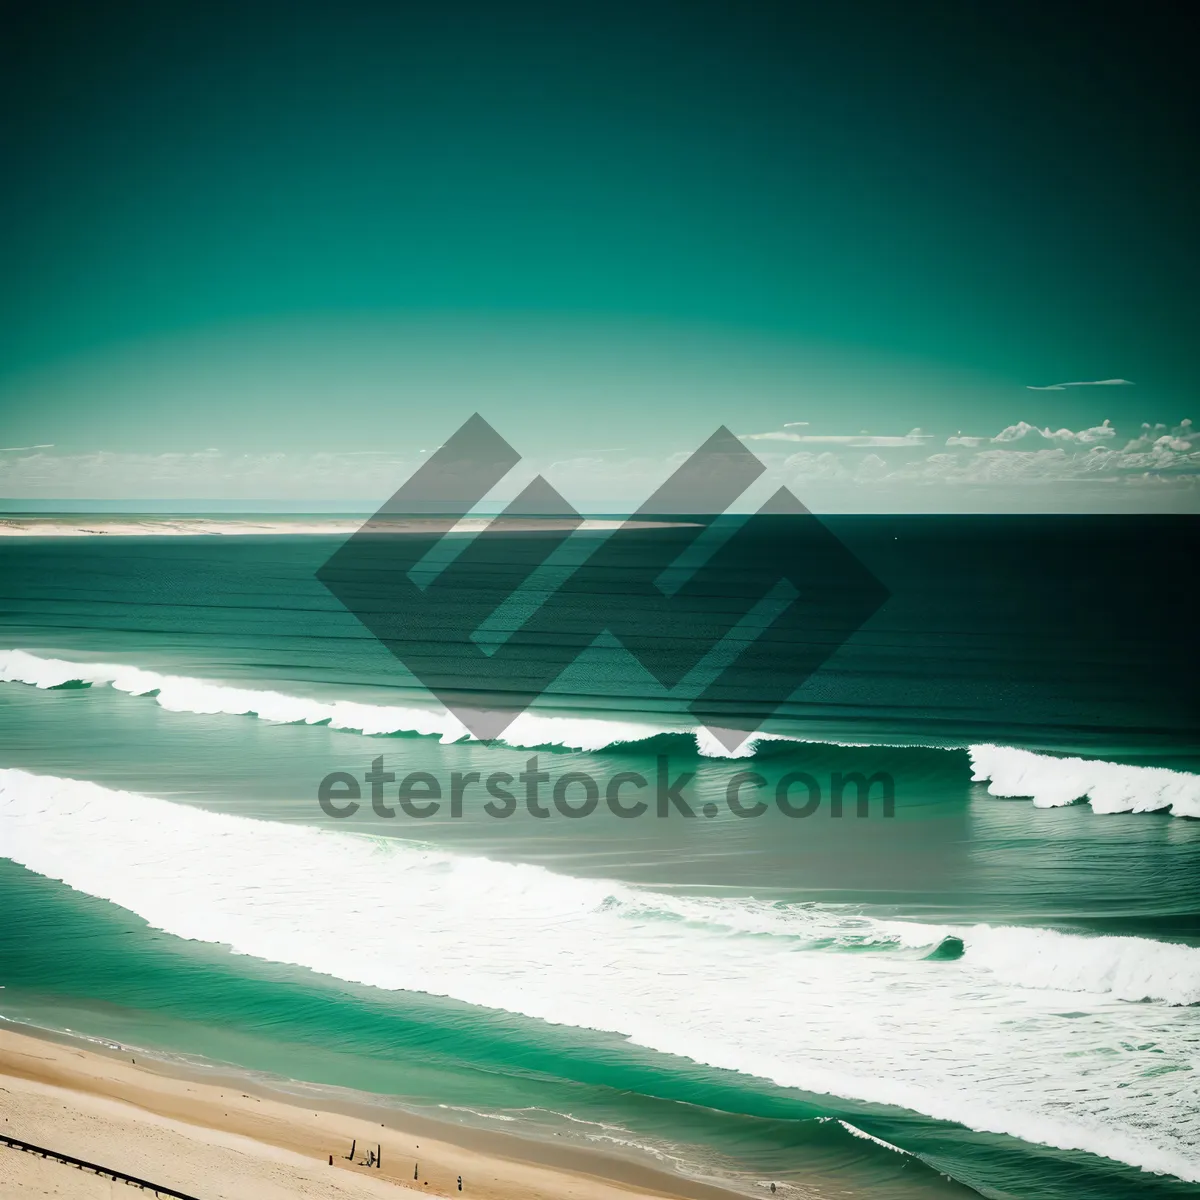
[{"x": 225, "y": 1136}]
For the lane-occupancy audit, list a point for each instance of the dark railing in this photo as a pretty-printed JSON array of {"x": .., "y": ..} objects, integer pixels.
[{"x": 157, "y": 1188}]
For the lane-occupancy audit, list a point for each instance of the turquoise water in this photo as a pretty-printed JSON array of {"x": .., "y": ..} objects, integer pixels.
[{"x": 1006, "y": 992}]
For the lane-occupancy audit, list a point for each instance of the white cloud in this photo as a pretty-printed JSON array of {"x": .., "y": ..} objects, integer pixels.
[
  {"x": 1085, "y": 437},
  {"x": 913, "y": 438},
  {"x": 1022, "y": 430},
  {"x": 1014, "y": 433},
  {"x": 1181, "y": 438},
  {"x": 1023, "y": 465},
  {"x": 1019, "y": 456},
  {"x": 203, "y": 474},
  {"x": 1062, "y": 387}
]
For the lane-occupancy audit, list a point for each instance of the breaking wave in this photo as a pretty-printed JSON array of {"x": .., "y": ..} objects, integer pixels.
[
  {"x": 182, "y": 693},
  {"x": 771, "y": 991},
  {"x": 1108, "y": 787},
  {"x": 1049, "y": 780}
]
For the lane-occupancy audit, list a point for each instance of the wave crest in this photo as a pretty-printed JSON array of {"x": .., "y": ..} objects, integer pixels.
[
  {"x": 183, "y": 693},
  {"x": 1052, "y": 782},
  {"x": 731, "y": 982}
]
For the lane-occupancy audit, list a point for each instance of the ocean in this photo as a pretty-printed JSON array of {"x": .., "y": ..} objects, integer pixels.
[{"x": 982, "y": 978}]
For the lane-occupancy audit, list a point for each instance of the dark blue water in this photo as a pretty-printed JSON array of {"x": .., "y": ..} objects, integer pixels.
[{"x": 942, "y": 978}]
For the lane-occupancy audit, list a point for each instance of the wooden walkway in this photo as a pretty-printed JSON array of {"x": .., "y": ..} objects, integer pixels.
[{"x": 157, "y": 1188}]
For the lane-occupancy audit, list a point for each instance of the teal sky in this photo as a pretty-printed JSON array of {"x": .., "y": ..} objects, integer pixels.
[{"x": 305, "y": 228}]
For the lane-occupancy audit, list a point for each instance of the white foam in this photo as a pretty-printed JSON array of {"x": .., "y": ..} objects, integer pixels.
[
  {"x": 1126, "y": 968},
  {"x": 982, "y": 1040},
  {"x": 182, "y": 693},
  {"x": 1129, "y": 968},
  {"x": 1052, "y": 782},
  {"x": 870, "y": 1137}
]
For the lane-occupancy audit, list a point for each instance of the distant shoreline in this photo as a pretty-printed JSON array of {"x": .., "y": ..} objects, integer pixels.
[{"x": 80, "y": 525}]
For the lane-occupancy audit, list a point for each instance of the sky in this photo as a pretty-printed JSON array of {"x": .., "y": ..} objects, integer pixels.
[{"x": 924, "y": 257}]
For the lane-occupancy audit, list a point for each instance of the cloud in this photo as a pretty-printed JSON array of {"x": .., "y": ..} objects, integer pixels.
[
  {"x": 1181, "y": 438},
  {"x": 1020, "y": 456},
  {"x": 854, "y": 440},
  {"x": 1022, "y": 465},
  {"x": 203, "y": 474},
  {"x": 1022, "y": 430},
  {"x": 1061, "y": 387}
]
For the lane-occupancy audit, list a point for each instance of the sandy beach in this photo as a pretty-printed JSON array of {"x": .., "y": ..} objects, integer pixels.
[
  {"x": 82, "y": 525},
  {"x": 232, "y": 1142}
]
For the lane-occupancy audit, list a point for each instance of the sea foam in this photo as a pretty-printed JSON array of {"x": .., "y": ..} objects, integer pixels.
[
  {"x": 766, "y": 990},
  {"x": 1050, "y": 780},
  {"x": 182, "y": 693},
  {"x": 1108, "y": 787}
]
